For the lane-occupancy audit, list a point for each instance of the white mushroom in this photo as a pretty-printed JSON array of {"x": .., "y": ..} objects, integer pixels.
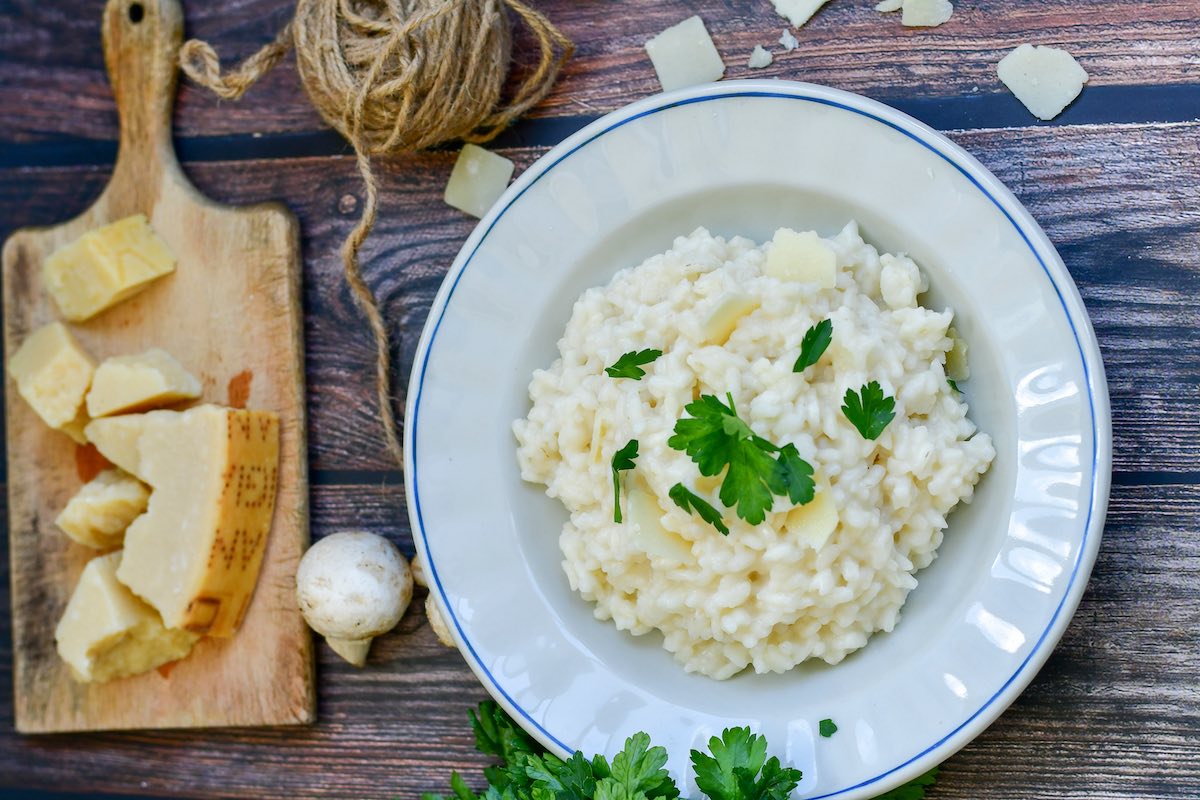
[
  {"x": 353, "y": 586},
  {"x": 438, "y": 622}
]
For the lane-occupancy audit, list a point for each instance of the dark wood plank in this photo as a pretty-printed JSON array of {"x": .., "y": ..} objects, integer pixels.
[
  {"x": 1127, "y": 228},
  {"x": 1113, "y": 716},
  {"x": 52, "y": 82}
]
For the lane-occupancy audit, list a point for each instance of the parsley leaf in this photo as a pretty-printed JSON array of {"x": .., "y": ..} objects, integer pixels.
[
  {"x": 621, "y": 460},
  {"x": 630, "y": 364},
  {"x": 813, "y": 345},
  {"x": 914, "y": 789},
  {"x": 870, "y": 411},
  {"x": 827, "y": 728},
  {"x": 738, "y": 769},
  {"x": 694, "y": 504},
  {"x": 717, "y": 439},
  {"x": 638, "y": 768},
  {"x": 954, "y": 385}
]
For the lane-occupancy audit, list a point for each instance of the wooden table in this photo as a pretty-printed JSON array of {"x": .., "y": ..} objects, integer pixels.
[{"x": 1115, "y": 182}]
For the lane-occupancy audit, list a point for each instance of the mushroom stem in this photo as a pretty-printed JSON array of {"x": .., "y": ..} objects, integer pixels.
[{"x": 353, "y": 650}]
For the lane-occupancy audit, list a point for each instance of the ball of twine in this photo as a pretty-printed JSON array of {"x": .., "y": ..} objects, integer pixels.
[{"x": 395, "y": 76}]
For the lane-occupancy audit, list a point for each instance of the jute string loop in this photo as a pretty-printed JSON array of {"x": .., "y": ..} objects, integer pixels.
[{"x": 394, "y": 76}]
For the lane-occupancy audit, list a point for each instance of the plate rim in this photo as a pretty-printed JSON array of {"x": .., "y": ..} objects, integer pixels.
[{"x": 1004, "y": 201}]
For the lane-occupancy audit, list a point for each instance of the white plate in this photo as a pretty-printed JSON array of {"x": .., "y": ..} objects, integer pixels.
[{"x": 745, "y": 158}]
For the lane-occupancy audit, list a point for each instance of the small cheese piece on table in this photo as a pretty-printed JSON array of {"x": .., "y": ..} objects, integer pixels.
[
  {"x": 1045, "y": 79},
  {"x": 99, "y": 513},
  {"x": 132, "y": 383},
  {"x": 53, "y": 373},
  {"x": 760, "y": 58},
  {"x": 798, "y": 12},
  {"x": 117, "y": 440},
  {"x": 723, "y": 320},
  {"x": 196, "y": 552},
  {"x": 105, "y": 266},
  {"x": 107, "y": 632},
  {"x": 684, "y": 55},
  {"x": 926, "y": 13},
  {"x": 888, "y": 6},
  {"x": 478, "y": 179},
  {"x": 801, "y": 257}
]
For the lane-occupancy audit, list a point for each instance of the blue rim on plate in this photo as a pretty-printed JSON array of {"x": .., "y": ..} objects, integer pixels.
[{"x": 992, "y": 189}]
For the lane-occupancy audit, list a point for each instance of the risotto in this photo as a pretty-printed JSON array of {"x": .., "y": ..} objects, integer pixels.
[{"x": 812, "y": 579}]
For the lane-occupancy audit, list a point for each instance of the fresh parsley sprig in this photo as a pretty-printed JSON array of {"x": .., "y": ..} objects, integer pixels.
[
  {"x": 693, "y": 503},
  {"x": 622, "y": 460},
  {"x": 630, "y": 364},
  {"x": 739, "y": 769},
  {"x": 869, "y": 410},
  {"x": 814, "y": 344},
  {"x": 717, "y": 439}
]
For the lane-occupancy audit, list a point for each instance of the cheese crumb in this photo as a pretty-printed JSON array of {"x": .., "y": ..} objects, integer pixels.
[
  {"x": 888, "y": 6},
  {"x": 478, "y": 179},
  {"x": 798, "y": 12},
  {"x": 788, "y": 41},
  {"x": 761, "y": 57},
  {"x": 926, "y": 13},
  {"x": 684, "y": 55},
  {"x": 1045, "y": 79}
]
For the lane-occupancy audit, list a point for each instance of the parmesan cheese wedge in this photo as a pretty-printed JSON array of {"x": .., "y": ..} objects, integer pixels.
[
  {"x": 684, "y": 55},
  {"x": 723, "y": 320},
  {"x": 925, "y": 13},
  {"x": 131, "y": 383},
  {"x": 801, "y": 257},
  {"x": 117, "y": 440},
  {"x": 798, "y": 12},
  {"x": 196, "y": 552},
  {"x": 53, "y": 372},
  {"x": 646, "y": 529},
  {"x": 99, "y": 513},
  {"x": 1045, "y": 79},
  {"x": 478, "y": 179},
  {"x": 106, "y": 632},
  {"x": 815, "y": 521}
]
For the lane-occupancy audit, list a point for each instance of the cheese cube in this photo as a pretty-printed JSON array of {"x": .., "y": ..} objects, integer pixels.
[
  {"x": 117, "y": 440},
  {"x": 723, "y": 320},
  {"x": 646, "y": 529},
  {"x": 798, "y": 12},
  {"x": 53, "y": 373},
  {"x": 107, "y": 632},
  {"x": 684, "y": 55},
  {"x": 815, "y": 521},
  {"x": 99, "y": 513},
  {"x": 801, "y": 257},
  {"x": 1045, "y": 79},
  {"x": 478, "y": 179},
  {"x": 131, "y": 383},
  {"x": 925, "y": 13},
  {"x": 105, "y": 266},
  {"x": 195, "y": 554}
]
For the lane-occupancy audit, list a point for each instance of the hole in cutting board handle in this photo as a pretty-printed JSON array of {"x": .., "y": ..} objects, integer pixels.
[{"x": 136, "y": 12}]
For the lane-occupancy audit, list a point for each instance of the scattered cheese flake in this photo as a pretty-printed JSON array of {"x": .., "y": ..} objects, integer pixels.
[
  {"x": 798, "y": 12},
  {"x": 1045, "y": 79},
  {"x": 478, "y": 179},
  {"x": 761, "y": 57},
  {"x": 926, "y": 13},
  {"x": 788, "y": 41},
  {"x": 684, "y": 55},
  {"x": 888, "y": 6}
]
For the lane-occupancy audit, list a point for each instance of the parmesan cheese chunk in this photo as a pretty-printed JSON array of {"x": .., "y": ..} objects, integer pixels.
[
  {"x": 99, "y": 513},
  {"x": 798, "y": 12},
  {"x": 888, "y": 6},
  {"x": 1045, "y": 79},
  {"x": 684, "y": 55},
  {"x": 195, "y": 554},
  {"x": 106, "y": 632},
  {"x": 53, "y": 372},
  {"x": 131, "y": 383},
  {"x": 926, "y": 13},
  {"x": 815, "y": 521},
  {"x": 105, "y": 266},
  {"x": 760, "y": 57},
  {"x": 788, "y": 40},
  {"x": 720, "y": 324},
  {"x": 956, "y": 357},
  {"x": 478, "y": 179},
  {"x": 801, "y": 257},
  {"x": 117, "y": 440},
  {"x": 646, "y": 529}
]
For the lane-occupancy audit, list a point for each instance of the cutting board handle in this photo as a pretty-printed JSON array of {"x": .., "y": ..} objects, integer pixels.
[{"x": 141, "y": 48}]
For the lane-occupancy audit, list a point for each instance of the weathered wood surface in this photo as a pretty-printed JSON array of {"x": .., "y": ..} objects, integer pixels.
[
  {"x": 231, "y": 308},
  {"x": 1116, "y": 712},
  {"x": 52, "y": 82}
]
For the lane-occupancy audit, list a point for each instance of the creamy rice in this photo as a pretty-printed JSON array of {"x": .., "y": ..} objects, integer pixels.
[{"x": 772, "y": 595}]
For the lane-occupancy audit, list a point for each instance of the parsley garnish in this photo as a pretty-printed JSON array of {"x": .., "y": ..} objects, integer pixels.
[
  {"x": 629, "y": 365},
  {"x": 717, "y": 439},
  {"x": 871, "y": 411},
  {"x": 813, "y": 345},
  {"x": 739, "y": 769},
  {"x": 694, "y": 504},
  {"x": 621, "y": 461},
  {"x": 954, "y": 385},
  {"x": 827, "y": 728}
]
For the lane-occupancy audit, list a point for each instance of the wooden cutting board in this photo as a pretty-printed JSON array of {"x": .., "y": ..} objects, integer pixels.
[{"x": 231, "y": 313}]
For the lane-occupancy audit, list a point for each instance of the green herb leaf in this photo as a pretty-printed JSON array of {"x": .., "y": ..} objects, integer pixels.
[
  {"x": 813, "y": 345},
  {"x": 630, "y": 364},
  {"x": 638, "y": 768},
  {"x": 694, "y": 504},
  {"x": 870, "y": 411},
  {"x": 738, "y": 769},
  {"x": 914, "y": 789},
  {"x": 793, "y": 476},
  {"x": 622, "y": 460},
  {"x": 954, "y": 385},
  {"x": 827, "y": 728}
]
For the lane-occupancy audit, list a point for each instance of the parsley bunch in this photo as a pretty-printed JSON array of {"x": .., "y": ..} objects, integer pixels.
[{"x": 735, "y": 767}]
